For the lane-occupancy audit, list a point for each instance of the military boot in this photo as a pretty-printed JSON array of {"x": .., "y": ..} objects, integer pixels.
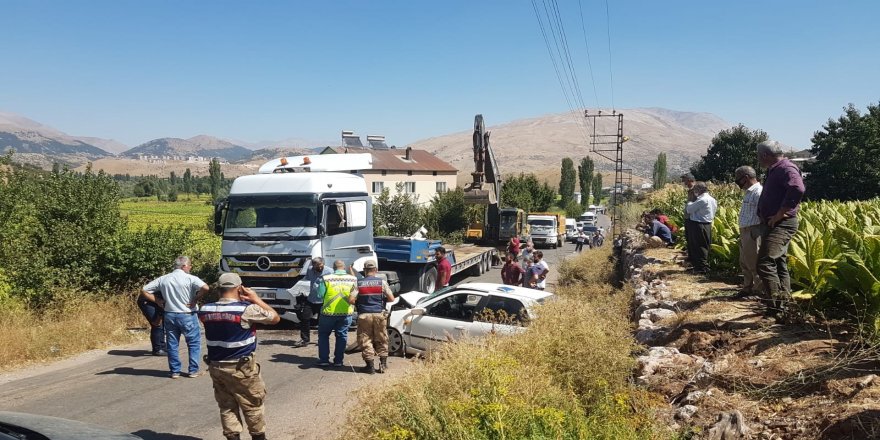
[
  {"x": 258, "y": 436},
  {"x": 383, "y": 364},
  {"x": 233, "y": 437},
  {"x": 369, "y": 368}
]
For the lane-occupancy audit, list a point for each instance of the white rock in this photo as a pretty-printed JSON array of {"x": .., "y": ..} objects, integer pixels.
[
  {"x": 656, "y": 315},
  {"x": 694, "y": 396},
  {"x": 685, "y": 412}
]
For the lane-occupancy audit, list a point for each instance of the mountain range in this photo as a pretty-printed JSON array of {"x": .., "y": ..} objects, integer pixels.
[{"x": 527, "y": 145}]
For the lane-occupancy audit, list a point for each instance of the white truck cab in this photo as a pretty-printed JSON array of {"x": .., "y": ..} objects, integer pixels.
[{"x": 296, "y": 208}]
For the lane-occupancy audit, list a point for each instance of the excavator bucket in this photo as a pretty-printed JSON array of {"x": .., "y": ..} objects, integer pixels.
[{"x": 483, "y": 195}]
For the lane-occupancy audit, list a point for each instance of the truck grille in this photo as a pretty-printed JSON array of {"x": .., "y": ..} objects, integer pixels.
[{"x": 266, "y": 266}]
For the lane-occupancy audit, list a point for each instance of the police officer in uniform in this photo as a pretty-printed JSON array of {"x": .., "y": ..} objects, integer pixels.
[
  {"x": 336, "y": 313},
  {"x": 369, "y": 299},
  {"x": 231, "y": 340}
]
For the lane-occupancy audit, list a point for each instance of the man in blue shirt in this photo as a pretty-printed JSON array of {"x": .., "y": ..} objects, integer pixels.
[
  {"x": 312, "y": 304},
  {"x": 660, "y": 230}
]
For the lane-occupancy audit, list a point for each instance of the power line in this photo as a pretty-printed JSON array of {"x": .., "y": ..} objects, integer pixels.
[
  {"x": 556, "y": 68},
  {"x": 610, "y": 71},
  {"x": 587, "y": 45}
]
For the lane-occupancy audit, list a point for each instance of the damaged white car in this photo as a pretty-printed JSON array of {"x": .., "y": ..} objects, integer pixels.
[{"x": 419, "y": 322}]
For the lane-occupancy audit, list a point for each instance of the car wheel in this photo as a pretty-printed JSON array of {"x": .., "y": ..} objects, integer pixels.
[{"x": 395, "y": 342}]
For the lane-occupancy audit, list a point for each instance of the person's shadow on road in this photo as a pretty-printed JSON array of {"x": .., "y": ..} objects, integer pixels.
[
  {"x": 131, "y": 353},
  {"x": 304, "y": 362},
  {"x": 128, "y": 371},
  {"x": 147, "y": 434}
]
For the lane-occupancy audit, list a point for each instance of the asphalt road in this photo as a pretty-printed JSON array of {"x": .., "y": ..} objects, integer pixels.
[{"x": 125, "y": 389}]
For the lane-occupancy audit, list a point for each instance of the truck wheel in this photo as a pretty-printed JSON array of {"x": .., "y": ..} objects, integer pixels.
[
  {"x": 487, "y": 264},
  {"x": 477, "y": 269},
  {"x": 429, "y": 280}
]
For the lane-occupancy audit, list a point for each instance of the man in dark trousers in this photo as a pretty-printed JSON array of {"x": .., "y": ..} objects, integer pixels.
[
  {"x": 312, "y": 304},
  {"x": 231, "y": 339},
  {"x": 701, "y": 214},
  {"x": 369, "y": 299},
  {"x": 688, "y": 181},
  {"x": 777, "y": 207},
  {"x": 180, "y": 292},
  {"x": 444, "y": 269}
]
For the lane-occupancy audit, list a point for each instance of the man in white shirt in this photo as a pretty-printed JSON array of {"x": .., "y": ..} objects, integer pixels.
[
  {"x": 180, "y": 292},
  {"x": 749, "y": 229},
  {"x": 539, "y": 271},
  {"x": 701, "y": 213}
]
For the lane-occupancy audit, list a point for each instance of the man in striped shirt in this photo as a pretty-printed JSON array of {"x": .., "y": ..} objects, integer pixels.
[
  {"x": 749, "y": 229},
  {"x": 231, "y": 340}
]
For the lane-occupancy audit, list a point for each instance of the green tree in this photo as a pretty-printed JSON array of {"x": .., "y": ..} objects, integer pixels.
[
  {"x": 567, "y": 180},
  {"x": 398, "y": 215},
  {"x": 660, "y": 171},
  {"x": 597, "y": 189},
  {"x": 527, "y": 193},
  {"x": 730, "y": 149},
  {"x": 573, "y": 209},
  {"x": 216, "y": 178},
  {"x": 847, "y": 150},
  {"x": 585, "y": 177},
  {"x": 187, "y": 181},
  {"x": 447, "y": 214}
]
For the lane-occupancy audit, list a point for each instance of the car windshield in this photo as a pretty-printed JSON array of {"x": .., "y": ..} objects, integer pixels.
[
  {"x": 435, "y": 294},
  {"x": 295, "y": 213}
]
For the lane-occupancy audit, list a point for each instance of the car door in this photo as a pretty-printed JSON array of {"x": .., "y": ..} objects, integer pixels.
[
  {"x": 449, "y": 317},
  {"x": 501, "y": 315}
]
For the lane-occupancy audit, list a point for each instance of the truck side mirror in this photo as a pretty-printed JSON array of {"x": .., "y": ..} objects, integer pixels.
[{"x": 219, "y": 208}]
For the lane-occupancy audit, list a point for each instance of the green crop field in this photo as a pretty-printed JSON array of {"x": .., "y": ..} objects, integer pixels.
[{"x": 193, "y": 214}]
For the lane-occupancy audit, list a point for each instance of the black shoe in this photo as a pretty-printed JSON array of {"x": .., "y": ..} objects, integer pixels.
[
  {"x": 160, "y": 353},
  {"x": 300, "y": 344},
  {"x": 369, "y": 368},
  {"x": 258, "y": 436}
]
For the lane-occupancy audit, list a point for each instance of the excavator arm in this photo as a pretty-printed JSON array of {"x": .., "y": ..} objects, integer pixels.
[{"x": 485, "y": 189}]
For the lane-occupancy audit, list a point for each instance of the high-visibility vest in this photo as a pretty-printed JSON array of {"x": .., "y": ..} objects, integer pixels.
[
  {"x": 225, "y": 337},
  {"x": 339, "y": 287}
]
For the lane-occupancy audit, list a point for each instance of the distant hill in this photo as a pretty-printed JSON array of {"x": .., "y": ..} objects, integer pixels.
[
  {"x": 202, "y": 145},
  {"x": 539, "y": 144},
  {"x": 109, "y": 145},
  {"x": 42, "y": 145}
]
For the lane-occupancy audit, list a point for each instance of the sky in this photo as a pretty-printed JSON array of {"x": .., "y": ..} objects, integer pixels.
[{"x": 139, "y": 70}]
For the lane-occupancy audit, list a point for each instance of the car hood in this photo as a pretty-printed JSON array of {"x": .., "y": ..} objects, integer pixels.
[{"x": 57, "y": 428}]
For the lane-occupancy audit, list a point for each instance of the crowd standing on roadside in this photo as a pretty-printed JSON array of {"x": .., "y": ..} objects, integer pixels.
[
  {"x": 767, "y": 222},
  {"x": 178, "y": 292}
]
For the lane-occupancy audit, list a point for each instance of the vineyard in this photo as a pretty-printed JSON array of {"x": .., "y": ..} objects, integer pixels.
[
  {"x": 194, "y": 215},
  {"x": 834, "y": 259}
]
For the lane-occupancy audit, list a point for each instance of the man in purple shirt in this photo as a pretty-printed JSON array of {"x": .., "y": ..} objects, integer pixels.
[{"x": 777, "y": 208}]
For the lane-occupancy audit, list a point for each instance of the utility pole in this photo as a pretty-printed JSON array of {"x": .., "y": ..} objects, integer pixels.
[{"x": 609, "y": 144}]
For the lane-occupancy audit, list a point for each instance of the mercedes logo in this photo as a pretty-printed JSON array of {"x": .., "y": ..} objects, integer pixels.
[{"x": 263, "y": 263}]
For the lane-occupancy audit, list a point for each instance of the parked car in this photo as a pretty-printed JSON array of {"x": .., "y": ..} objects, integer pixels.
[
  {"x": 471, "y": 309},
  {"x": 20, "y": 426}
]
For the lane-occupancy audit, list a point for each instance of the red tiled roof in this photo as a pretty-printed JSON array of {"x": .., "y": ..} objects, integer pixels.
[{"x": 393, "y": 160}]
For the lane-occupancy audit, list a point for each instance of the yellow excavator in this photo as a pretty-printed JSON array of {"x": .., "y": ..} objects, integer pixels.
[{"x": 499, "y": 224}]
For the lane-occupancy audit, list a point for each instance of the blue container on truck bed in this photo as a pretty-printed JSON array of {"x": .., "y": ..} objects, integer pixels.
[{"x": 406, "y": 250}]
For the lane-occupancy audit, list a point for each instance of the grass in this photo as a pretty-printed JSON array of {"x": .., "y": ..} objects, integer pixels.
[
  {"x": 76, "y": 323},
  {"x": 567, "y": 377}
]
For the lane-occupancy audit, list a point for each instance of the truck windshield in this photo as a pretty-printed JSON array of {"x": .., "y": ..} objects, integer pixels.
[
  {"x": 541, "y": 222},
  {"x": 508, "y": 222},
  {"x": 294, "y": 214}
]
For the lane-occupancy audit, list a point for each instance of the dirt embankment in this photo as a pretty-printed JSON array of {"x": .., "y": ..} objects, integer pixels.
[{"x": 728, "y": 372}]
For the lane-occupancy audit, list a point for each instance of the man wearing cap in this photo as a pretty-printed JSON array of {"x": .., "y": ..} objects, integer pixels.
[
  {"x": 369, "y": 298},
  {"x": 231, "y": 339},
  {"x": 312, "y": 304},
  {"x": 180, "y": 292},
  {"x": 336, "y": 313}
]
